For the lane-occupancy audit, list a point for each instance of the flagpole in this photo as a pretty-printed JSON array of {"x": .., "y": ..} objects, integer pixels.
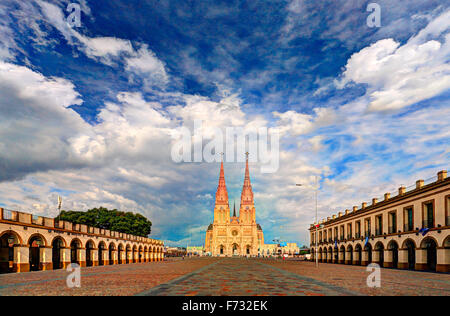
[
  {"x": 317, "y": 222},
  {"x": 59, "y": 206}
]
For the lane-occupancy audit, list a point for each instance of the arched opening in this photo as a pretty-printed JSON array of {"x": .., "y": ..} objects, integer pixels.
[
  {"x": 140, "y": 257},
  {"x": 342, "y": 254},
  {"x": 127, "y": 254},
  {"x": 222, "y": 249},
  {"x": 119, "y": 254},
  {"x": 7, "y": 242},
  {"x": 35, "y": 244},
  {"x": 431, "y": 252},
  {"x": 235, "y": 249},
  {"x": 57, "y": 245},
  {"x": 112, "y": 248},
  {"x": 145, "y": 254},
  {"x": 248, "y": 248},
  {"x": 350, "y": 254},
  {"x": 358, "y": 250},
  {"x": 368, "y": 250},
  {"x": 134, "y": 259},
  {"x": 89, "y": 249},
  {"x": 75, "y": 245},
  {"x": 411, "y": 249},
  {"x": 324, "y": 257},
  {"x": 101, "y": 249},
  {"x": 446, "y": 246},
  {"x": 379, "y": 248},
  {"x": 393, "y": 247},
  {"x": 330, "y": 254}
]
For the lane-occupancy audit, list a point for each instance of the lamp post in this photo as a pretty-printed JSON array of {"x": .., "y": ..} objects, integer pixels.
[{"x": 317, "y": 223}]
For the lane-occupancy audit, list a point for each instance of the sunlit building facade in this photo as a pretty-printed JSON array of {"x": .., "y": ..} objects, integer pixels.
[{"x": 410, "y": 230}]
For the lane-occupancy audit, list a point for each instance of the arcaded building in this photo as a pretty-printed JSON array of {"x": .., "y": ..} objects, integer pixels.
[
  {"x": 234, "y": 235},
  {"x": 407, "y": 230},
  {"x": 32, "y": 243}
]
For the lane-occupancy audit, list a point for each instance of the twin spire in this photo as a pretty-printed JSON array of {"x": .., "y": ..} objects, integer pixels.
[
  {"x": 222, "y": 193},
  {"x": 247, "y": 192}
]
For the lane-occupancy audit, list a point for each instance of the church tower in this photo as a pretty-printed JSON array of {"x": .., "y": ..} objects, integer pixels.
[
  {"x": 247, "y": 213},
  {"x": 221, "y": 208},
  {"x": 237, "y": 235}
]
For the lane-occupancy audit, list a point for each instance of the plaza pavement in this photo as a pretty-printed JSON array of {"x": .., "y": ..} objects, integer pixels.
[{"x": 226, "y": 276}]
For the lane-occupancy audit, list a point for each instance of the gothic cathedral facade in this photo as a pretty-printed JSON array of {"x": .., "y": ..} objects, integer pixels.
[{"x": 234, "y": 235}]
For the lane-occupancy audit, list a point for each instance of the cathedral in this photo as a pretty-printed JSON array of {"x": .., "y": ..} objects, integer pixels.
[{"x": 234, "y": 235}]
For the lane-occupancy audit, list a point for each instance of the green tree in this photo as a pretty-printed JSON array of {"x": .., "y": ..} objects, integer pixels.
[{"x": 124, "y": 222}]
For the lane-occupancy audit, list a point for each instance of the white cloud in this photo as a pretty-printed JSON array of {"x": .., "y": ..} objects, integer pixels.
[
  {"x": 105, "y": 46},
  {"x": 145, "y": 63},
  {"x": 142, "y": 63},
  {"x": 295, "y": 124},
  {"x": 35, "y": 123},
  {"x": 401, "y": 75}
]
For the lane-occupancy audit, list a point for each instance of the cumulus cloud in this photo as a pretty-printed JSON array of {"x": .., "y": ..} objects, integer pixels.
[
  {"x": 35, "y": 122},
  {"x": 401, "y": 75}
]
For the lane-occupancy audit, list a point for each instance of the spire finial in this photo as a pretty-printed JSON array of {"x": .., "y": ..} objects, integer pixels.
[
  {"x": 247, "y": 193},
  {"x": 234, "y": 210}
]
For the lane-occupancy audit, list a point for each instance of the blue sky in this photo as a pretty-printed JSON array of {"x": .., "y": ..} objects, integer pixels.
[{"x": 87, "y": 112}]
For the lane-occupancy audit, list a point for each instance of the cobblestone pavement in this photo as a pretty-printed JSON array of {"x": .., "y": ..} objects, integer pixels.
[
  {"x": 354, "y": 278},
  {"x": 227, "y": 276},
  {"x": 243, "y": 277},
  {"x": 126, "y": 279}
]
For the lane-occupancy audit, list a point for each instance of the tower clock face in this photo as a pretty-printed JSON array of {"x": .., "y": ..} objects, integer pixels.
[{"x": 234, "y": 233}]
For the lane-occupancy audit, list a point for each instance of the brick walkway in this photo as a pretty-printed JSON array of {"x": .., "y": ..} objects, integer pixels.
[
  {"x": 243, "y": 277},
  {"x": 353, "y": 278},
  {"x": 127, "y": 279},
  {"x": 228, "y": 276}
]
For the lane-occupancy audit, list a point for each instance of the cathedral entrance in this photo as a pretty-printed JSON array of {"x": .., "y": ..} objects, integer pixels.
[{"x": 235, "y": 250}]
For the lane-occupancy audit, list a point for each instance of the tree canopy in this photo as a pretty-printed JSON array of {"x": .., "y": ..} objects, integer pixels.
[{"x": 124, "y": 222}]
